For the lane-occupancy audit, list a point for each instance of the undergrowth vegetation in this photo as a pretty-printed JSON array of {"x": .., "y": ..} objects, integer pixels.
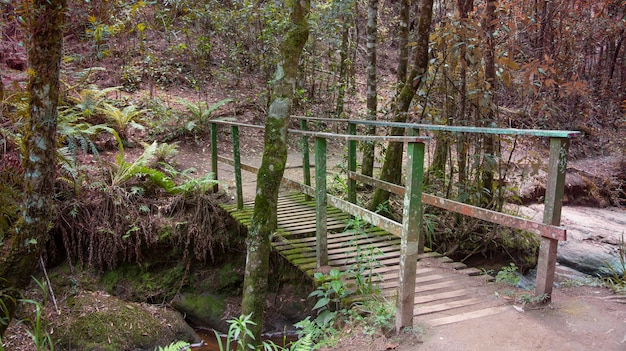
[{"x": 121, "y": 196}]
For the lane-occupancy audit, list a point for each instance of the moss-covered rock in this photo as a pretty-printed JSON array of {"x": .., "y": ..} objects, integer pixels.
[
  {"x": 202, "y": 309},
  {"x": 98, "y": 321},
  {"x": 144, "y": 283}
]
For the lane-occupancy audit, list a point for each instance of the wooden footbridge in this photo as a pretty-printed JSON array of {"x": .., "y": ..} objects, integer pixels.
[{"x": 317, "y": 231}]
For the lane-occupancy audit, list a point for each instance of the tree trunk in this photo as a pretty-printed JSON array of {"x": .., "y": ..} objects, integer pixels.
[
  {"x": 392, "y": 166},
  {"x": 403, "y": 44},
  {"x": 343, "y": 71},
  {"x": 488, "y": 165},
  {"x": 21, "y": 249},
  {"x": 615, "y": 56},
  {"x": 367, "y": 166},
  {"x": 270, "y": 174},
  {"x": 464, "y": 7}
]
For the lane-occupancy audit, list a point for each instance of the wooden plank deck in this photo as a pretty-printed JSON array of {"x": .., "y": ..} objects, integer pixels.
[{"x": 446, "y": 291}]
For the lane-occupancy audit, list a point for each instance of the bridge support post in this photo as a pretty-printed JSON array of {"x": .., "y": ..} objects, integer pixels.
[
  {"x": 237, "y": 160},
  {"x": 321, "y": 240},
  {"x": 214, "y": 154},
  {"x": 553, "y": 203},
  {"x": 410, "y": 243},
  {"x": 352, "y": 163},
  {"x": 306, "y": 160}
]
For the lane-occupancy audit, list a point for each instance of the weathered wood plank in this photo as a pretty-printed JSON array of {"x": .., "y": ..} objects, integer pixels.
[
  {"x": 423, "y": 288},
  {"x": 422, "y": 310},
  {"x": 467, "y": 316},
  {"x": 441, "y": 296}
]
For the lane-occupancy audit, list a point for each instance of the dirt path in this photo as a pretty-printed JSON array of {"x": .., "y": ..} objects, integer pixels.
[{"x": 578, "y": 319}]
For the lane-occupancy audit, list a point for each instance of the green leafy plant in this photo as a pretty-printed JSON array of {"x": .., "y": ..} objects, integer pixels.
[
  {"x": 89, "y": 100},
  {"x": 200, "y": 113},
  {"x": 77, "y": 138},
  {"x": 329, "y": 293},
  {"x": 175, "y": 346},
  {"x": 123, "y": 171},
  {"x": 166, "y": 151},
  {"x": 531, "y": 299},
  {"x": 362, "y": 260},
  {"x": 38, "y": 333},
  {"x": 337, "y": 185},
  {"x": 616, "y": 280},
  {"x": 508, "y": 275},
  {"x": 237, "y": 329},
  {"x": 7, "y": 293},
  {"x": 430, "y": 224},
  {"x": 121, "y": 119},
  {"x": 378, "y": 314}
]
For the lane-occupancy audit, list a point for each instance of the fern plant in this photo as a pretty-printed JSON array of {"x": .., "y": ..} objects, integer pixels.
[
  {"x": 200, "y": 113},
  {"x": 121, "y": 119},
  {"x": 88, "y": 101},
  {"x": 305, "y": 343},
  {"x": 124, "y": 171},
  {"x": 175, "y": 346}
]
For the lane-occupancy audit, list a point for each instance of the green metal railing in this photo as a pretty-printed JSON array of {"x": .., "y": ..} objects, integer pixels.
[
  {"x": 412, "y": 240},
  {"x": 549, "y": 229}
]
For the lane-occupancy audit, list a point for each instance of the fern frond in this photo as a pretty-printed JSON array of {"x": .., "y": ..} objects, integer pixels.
[
  {"x": 215, "y": 106},
  {"x": 175, "y": 346},
  {"x": 159, "y": 179},
  {"x": 125, "y": 171},
  {"x": 303, "y": 344},
  {"x": 199, "y": 185}
]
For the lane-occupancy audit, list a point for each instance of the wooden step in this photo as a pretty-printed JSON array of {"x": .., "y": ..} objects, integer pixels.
[
  {"x": 467, "y": 316},
  {"x": 428, "y": 309}
]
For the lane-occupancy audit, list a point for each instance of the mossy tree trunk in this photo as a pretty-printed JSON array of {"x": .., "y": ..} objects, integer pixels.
[
  {"x": 367, "y": 166},
  {"x": 489, "y": 159},
  {"x": 21, "y": 249},
  {"x": 403, "y": 43},
  {"x": 263, "y": 222},
  {"x": 392, "y": 166},
  {"x": 464, "y": 7},
  {"x": 343, "y": 69}
]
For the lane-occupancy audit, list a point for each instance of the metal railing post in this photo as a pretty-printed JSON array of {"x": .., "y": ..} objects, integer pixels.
[
  {"x": 352, "y": 163},
  {"x": 411, "y": 228},
  {"x": 214, "y": 154},
  {"x": 237, "y": 160},
  {"x": 553, "y": 203},
  {"x": 306, "y": 162},
  {"x": 320, "y": 202}
]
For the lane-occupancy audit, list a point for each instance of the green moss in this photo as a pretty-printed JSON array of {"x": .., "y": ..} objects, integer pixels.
[
  {"x": 229, "y": 278},
  {"x": 202, "y": 309},
  {"x": 204, "y": 304},
  {"x": 143, "y": 283},
  {"x": 101, "y": 322}
]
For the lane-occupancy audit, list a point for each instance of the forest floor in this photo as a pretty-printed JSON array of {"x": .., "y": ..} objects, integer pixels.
[{"x": 578, "y": 318}]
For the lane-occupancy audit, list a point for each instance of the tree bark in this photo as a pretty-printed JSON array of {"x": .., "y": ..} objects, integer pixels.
[
  {"x": 367, "y": 166},
  {"x": 615, "y": 56},
  {"x": 263, "y": 222},
  {"x": 19, "y": 254},
  {"x": 392, "y": 166},
  {"x": 403, "y": 44},
  {"x": 488, "y": 165},
  {"x": 464, "y": 7},
  {"x": 343, "y": 70}
]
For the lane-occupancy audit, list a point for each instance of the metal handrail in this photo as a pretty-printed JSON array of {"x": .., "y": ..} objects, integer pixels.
[{"x": 549, "y": 230}]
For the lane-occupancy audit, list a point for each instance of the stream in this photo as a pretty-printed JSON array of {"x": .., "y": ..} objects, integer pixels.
[{"x": 211, "y": 344}]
